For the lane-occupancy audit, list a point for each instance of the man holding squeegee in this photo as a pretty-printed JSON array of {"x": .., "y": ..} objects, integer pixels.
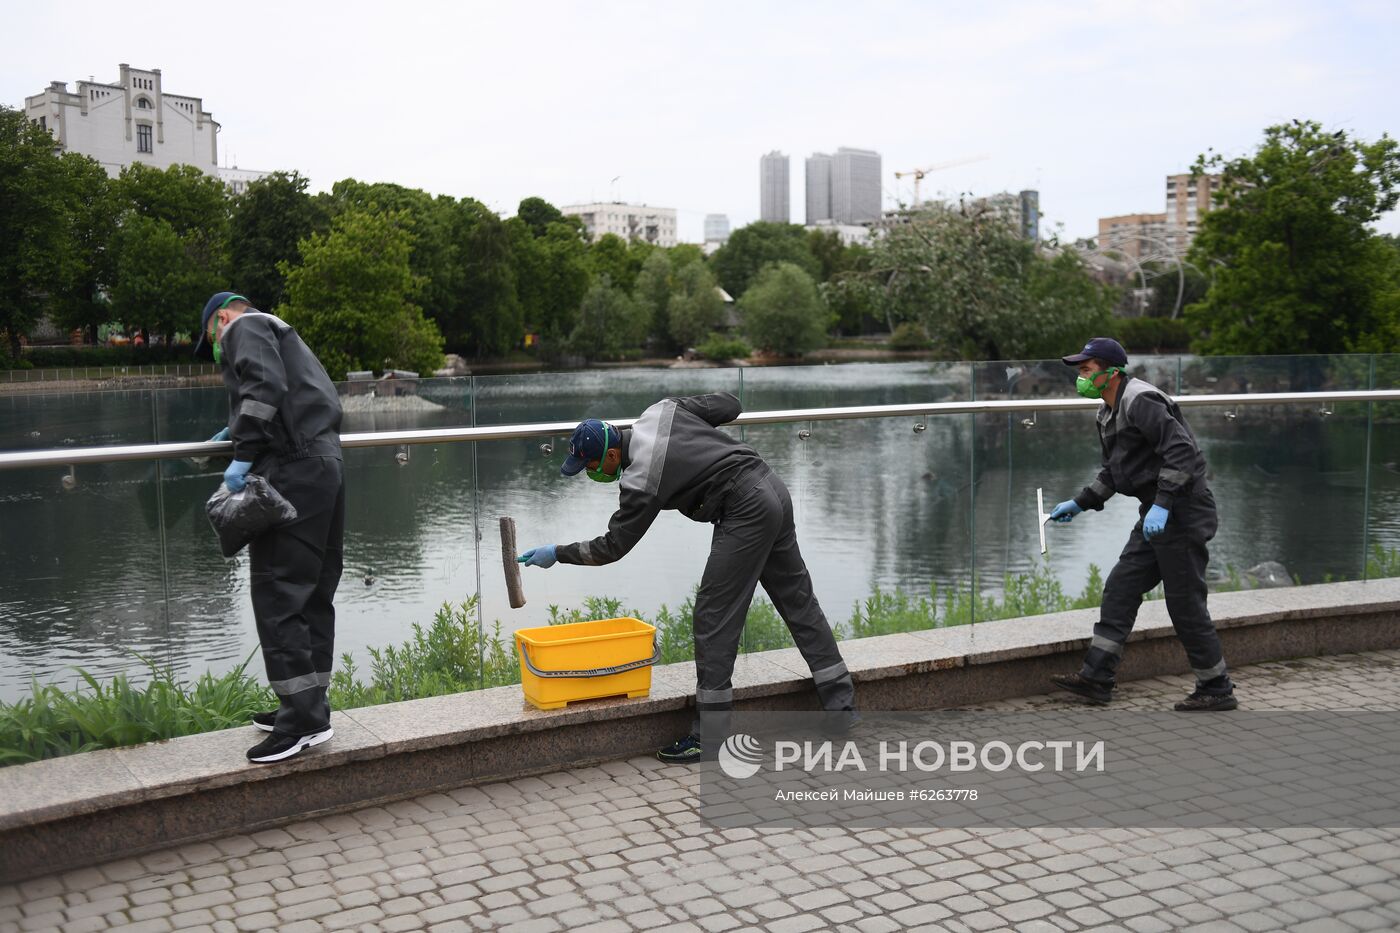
[
  {"x": 1149, "y": 453},
  {"x": 675, "y": 457}
]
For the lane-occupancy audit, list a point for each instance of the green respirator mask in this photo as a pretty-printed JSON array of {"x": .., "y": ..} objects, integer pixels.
[
  {"x": 214, "y": 327},
  {"x": 1093, "y": 386},
  {"x": 598, "y": 476}
]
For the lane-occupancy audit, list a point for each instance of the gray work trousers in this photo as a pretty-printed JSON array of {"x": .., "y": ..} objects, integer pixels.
[
  {"x": 1176, "y": 558},
  {"x": 755, "y": 541},
  {"x": 296, "y": 568}
]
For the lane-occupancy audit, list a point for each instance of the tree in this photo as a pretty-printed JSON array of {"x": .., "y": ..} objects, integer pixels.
[
  {"x": 652, "y": 292},
  {"x": 160, "y": 208},
  {"x": 980, "y": 289},
  {"x": 555, "y": 279},
  {"x": 350, "y": 298},
  {"x": 432, "y": 255},
  {"x": 269, "y": 219},
  {"x": 695, "y": 308},
  {"x": 783, "y": 311},
  {"x": 80, "y": 300},
  {"x": 1296, "y": 266},
  {"x": 537, "y": 214},
  {"x": 487, "y": 319},
  {"x": 683, "y": 254},
  {"x": 159, "y": 286},
  {"x": 609, "y": 321},
  {"x": 750, "y": 248},
  {"x": 34, "y": 229},
  {"x": 619, "y": 260}
]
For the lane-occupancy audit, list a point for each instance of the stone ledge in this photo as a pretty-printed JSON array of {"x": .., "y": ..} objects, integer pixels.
[{"x": 82, "y": 809}]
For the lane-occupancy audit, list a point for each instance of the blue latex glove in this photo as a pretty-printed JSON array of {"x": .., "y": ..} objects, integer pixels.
[
  {"x": 538, "y": 556},
  {"x": 221, "y": 436},
  {"x": 235, "y": 475},
  {"x": 1065, "y": 511},
  {"x": 1155, "y": 522}
]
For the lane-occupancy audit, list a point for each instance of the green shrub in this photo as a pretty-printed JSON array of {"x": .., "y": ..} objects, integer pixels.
[
  {"x": 721, "y": 347},
  {"x": 64, "y": 357},
  {"x": 1152, "y": 334},
  {"x": 909, "y": 336}
]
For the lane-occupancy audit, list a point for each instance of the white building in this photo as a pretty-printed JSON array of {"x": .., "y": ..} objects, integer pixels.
[
  {"x": 850, "y": 234},
  {"x": 774, "y": 194},
  {"x": 818, "y": 188},
  {"x": 238, "y": 179},
  {"x": 134, "y": 120},
  {"x": 855, "y": 186},
  {"x": 655, "y": 225},
  {"x": 717, "y": 228}
]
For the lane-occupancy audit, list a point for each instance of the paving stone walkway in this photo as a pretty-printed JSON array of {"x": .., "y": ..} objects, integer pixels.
[{"x": 619, "y": 847}]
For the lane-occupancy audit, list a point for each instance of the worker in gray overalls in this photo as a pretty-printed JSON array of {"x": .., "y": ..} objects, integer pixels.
[
  {"x": 675, "y": 457},
  {"x": 1150, "y": 454}
]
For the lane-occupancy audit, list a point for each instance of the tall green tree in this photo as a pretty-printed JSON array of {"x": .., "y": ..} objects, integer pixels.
[
  {"x": 619, "y": 260},
  {"x": 752, "y": 247},
  {"x": 487, "y": 317},
  {"x": 537, "y": 214},
  {"x": 159, "y": 286},
  {"x": 1296, "y": 265},
  {"x": 696, "y": 308},
  {"x": 783, "y": 312},
  {"x": 269, "y": 219},
  {"x": 81, "y": 299},
  {"x": 652, "y": 292},
  {"x": 429, "y": 220},
  {"x": 179, "y": 201},
  {"x": 34, "y": 226},
  {"x": 552, "y": 276},
  {"x": 351, "y": 298}
]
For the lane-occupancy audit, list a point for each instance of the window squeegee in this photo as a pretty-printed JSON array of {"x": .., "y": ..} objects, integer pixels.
[{"x": 1041, "y": 516}]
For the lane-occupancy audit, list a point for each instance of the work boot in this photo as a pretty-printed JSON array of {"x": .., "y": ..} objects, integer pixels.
[
  {"x": 1199, "y": 702},
  {"x": 685, "y": 751},
  {"x": 264, "y": 721},
  {"x": 279, "y": 746},
  {"x": 839, "y": 722},
  {"x": 1096, "y": 692}
]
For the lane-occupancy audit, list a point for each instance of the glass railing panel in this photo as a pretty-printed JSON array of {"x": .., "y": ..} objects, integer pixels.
[
  {"x": 520, "y": 478},
  {"x": 1383, "y": 473},
  {"x": 1020, "y": 452},
  {"x": 882, "y": 519},
  {"x": 83, "y": 585},
  {"x": 1228, "y": 375}
]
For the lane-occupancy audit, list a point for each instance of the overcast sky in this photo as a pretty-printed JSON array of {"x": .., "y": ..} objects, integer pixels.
[{"x": 1090, "y": 103}]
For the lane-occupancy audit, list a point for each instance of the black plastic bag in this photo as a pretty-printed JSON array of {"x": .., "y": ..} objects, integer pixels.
[{"x": 239, "y": 517}]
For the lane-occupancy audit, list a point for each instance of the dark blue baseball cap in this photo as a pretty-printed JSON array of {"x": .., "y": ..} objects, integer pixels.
[
  {"x": 1100, "y": 348},
  {"x": 216, "y": 302},
  {"x": 591, "y": 441}
]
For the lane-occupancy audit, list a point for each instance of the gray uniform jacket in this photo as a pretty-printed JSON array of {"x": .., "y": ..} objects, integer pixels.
[
  {"x": 282, "y": 405},
  {"x": 674, "y": 458},
  {"x": 1149, "y": 453}
]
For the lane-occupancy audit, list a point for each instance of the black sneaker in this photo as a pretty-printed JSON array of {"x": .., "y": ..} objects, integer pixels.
[
  {"x": 279, "y": 746},
  {"x": 264, "y": 721},
  {"x": 1199, "y": 702},
  {"x": 684, "y": 751},
  {"x": 1092, "y": 690}
]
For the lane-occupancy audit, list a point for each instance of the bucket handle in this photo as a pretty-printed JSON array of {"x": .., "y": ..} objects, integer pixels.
[{"x": 594, "y": 672}]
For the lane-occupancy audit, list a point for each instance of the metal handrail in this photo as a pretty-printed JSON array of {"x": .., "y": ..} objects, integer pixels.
[{"x": 118, "y": 453}]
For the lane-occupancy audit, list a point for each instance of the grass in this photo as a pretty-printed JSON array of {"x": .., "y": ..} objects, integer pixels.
[{"x": 456, "y": 653}]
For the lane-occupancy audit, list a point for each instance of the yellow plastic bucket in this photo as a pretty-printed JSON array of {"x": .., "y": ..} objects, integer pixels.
[{"x": 585, "y": 660}]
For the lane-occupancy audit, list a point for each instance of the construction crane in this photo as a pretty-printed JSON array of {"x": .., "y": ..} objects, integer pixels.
[{"x": 919, "y": 173}]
